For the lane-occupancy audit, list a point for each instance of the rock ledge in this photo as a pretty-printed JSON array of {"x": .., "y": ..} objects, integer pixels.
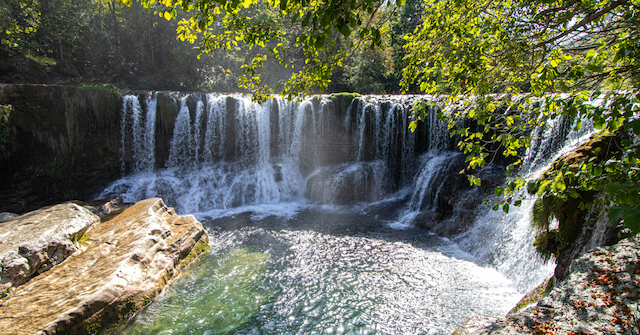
[
  {"x": 599, "y": 296},
  {"x": 127, "y": 262}
]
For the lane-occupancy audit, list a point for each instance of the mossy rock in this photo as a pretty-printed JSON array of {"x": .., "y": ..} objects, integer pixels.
[
  {"x": 571, "y": 213},
  {"x": 535, "y": 295},
  {"x": 343, "y": 100}
]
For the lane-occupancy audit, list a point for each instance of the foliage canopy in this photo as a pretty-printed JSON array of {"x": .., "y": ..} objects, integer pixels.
[
  {"x": 575, "y": 59},
  {"x": 320, "y": 31},
  {"x": 509, "y": 66}
]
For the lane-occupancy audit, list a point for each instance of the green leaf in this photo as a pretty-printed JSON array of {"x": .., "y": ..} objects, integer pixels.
[
  {"x": 594, "y": 68},
  {"x": 505, "y": 208},
  {"x": 631, "y": 219},
  {"x": 612, "y": 188},
  {"x": 498, "y": 191},
  {"x": 305, "y": 19},
  {"x": 635, "y": 125},
  {"x": 345, "y": 30},
  {"x": 597, "y": 170},
  {"x": 634, "y": 196}
]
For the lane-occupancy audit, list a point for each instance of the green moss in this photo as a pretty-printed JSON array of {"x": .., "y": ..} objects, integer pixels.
[
  {"x": 343, "y": 100},
  {"x": 5, "y": 293},
  {"x": 43, "y": 60},
  {"x": 551, "y": 242},
  {"x": 535, "y": 295},
  {"x": 344, "y": 95},
  {"x": 568, "y": 207},
  {"x": 92, "y": 327},
  {"x": 201, "y": 246},
  {"x": 5, "y": 127}
]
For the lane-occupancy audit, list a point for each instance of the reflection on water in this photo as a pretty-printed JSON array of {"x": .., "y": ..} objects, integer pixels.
[{"x": 324, "y": 272}]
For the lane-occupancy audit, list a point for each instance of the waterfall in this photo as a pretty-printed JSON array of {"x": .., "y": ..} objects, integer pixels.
[
  {"x": 137, "y": 131},
  {"x": 150, "y": 134},
  {"x": 226, "y": 152},
  {"x": 505, "y": 241},
  {"x": 429, "y": 180},
  {"x": 215, "y": 134},
  {"x": 181, "y": 144}
]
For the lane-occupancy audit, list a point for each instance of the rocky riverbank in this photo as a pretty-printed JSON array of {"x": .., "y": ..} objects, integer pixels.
[
  {"x": 81, "y": 274},
  {"x": 599, "y": 296}
]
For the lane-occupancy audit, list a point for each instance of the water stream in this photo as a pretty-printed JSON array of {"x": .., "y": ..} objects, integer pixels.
[{"x": 291, "y": 192}]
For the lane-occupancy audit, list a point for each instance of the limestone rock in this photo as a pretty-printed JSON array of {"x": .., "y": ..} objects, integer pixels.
[
  {"x": 599, "y": 296},
  {"x": 35, "y": 242},
  {"x": 127, "y": 262}
]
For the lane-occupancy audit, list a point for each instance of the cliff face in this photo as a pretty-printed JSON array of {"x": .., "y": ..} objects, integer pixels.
[{"x": 59, "y": 143}]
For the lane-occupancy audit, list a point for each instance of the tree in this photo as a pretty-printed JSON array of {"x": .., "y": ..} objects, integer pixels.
[
  {"x": 319, "y": 29},
  {"x": 577, "y": 58},
  {"x": 18, "y": 20}
]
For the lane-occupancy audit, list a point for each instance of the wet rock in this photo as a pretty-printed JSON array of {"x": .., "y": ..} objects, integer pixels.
[
  {"x": 387, "y": 210},
  {"x": 64, "y": 144},
  {"x": 475, "y": 323},
  {"x": 6, "y": 216},
  {"x": 127, "y": 262},
  {"x": 347, "y": 184},
  {"x": 429, "y": 219},
  {"x": 105, "y": 208},
  {"x": 599, "y": 296},
  {"x": 37, "y": 241}
]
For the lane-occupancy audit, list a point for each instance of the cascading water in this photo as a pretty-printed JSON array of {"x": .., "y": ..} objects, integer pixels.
[
  {"x": 215, "y": 133},
  {"x": 506, "y": 241},
  {"x": 284, "y": 189},
  {"x": 138, "y": 133}
]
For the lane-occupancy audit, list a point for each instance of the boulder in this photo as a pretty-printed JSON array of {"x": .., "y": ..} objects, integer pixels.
[
  {"x": 35, "y": 242},
  {"x": 127, "y": 262},
  {"x": 599, "y": 296}
]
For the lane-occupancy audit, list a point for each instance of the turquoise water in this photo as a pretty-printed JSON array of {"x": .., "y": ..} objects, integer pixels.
[{"x": 323, "y": 272}]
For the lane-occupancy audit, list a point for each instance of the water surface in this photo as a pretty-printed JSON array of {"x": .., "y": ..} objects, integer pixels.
[{"x": 324, "y": 272}]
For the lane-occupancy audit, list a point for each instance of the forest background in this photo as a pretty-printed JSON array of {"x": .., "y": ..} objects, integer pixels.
[{"x": 106, "y": 42}]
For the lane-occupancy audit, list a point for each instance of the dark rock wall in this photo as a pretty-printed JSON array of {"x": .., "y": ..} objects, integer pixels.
[{"x": 63, "y": 143}]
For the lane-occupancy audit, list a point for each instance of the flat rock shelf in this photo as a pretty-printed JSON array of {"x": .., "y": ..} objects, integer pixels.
[{"x": 122, "y": 265}]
